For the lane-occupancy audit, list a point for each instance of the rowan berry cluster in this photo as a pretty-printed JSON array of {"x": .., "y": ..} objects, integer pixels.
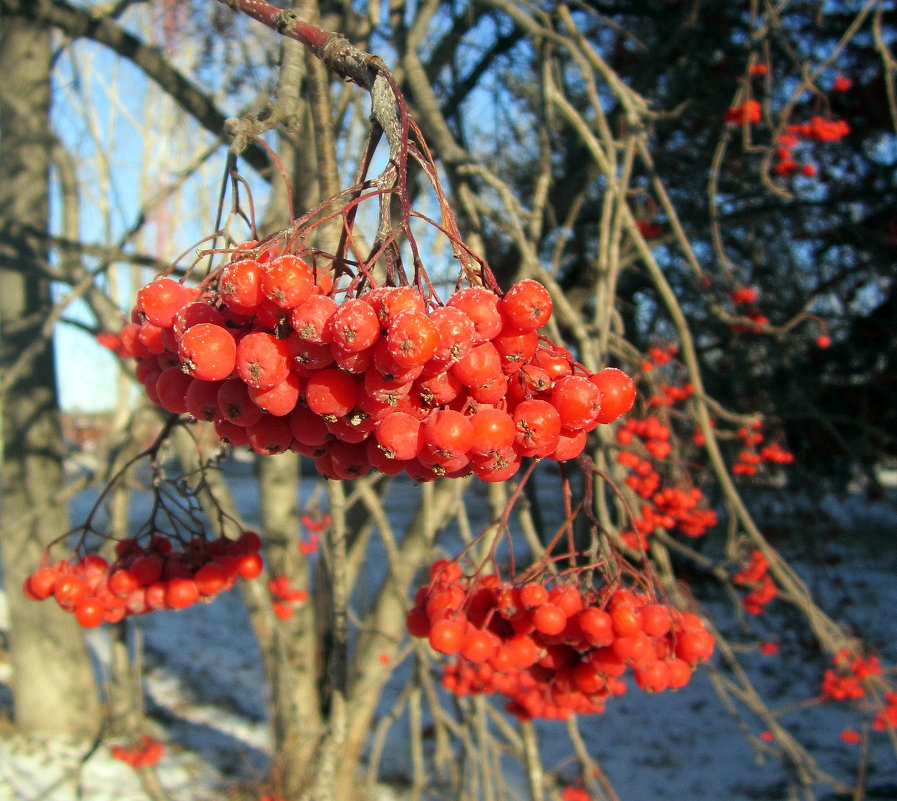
[
  {"x": 145, "y": 755},
  {"x": 749, "y": 459},
  {"x": 817, "y": 129},
  {"x": 671, "y": 508},
  {"x": 887, "y": 716},
  {"x": 671, "y": 394},
  {"x": 377, "y": 381},
  {"x": 845, "y": 680},
  {"x": 755, "y": 575},
  {"x": 286, "y": 597},
  {"x": 146, "y": 578},
  {"x": 744, "y": 295},
  {"x": 748, "y": 112},
  {"x": 553, "y": 652},
  {"x": 659, "y": 356}
]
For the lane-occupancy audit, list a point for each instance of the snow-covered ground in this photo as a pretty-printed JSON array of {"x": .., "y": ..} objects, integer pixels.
[{"x": 205, "y": 695}]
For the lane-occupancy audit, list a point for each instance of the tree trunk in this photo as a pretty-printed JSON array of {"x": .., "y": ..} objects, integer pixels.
[{"x": 53, "y": 684}]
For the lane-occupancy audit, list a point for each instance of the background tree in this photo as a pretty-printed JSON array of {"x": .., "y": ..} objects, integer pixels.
[{"x": 53, "y": 684}]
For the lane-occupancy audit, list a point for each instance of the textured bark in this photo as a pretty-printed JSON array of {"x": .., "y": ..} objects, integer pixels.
[{"x": 53, "y": 684}]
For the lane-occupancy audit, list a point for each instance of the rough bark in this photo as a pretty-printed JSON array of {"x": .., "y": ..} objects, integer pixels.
[{"x": 53, "y": 684}]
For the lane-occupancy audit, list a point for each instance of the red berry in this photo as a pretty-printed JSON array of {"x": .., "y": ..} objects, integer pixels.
[
  {"x": 493, "y": 430},
  {"x": 235, "y": 404},
  {"x": 262, "y": 360},
  {"x": 69, "y": 590},
  {"x": 181, "y": 593},
  {"x": 694, "y": 646},
  {"x": 171, "y": 390},
  {"x": 239, "y": 285},
  {"x": 161, "y": 299},
  {"x": 478, "y": 645},
  {"x": 287, "y": 281},
  {"x": 399, "y": 435},
  {"x": 417, "y": 622},
  {"x": 596, "y": 625},
  {"x": 456, "y": 333},
  {"x": 448, "y": 433},
  {"x": 280, "y": 399},
  {"x": 353, "y": 327},
  {"x": 577, "y": 400},
  {"x": 538, "y": 426},
  {"x": 208, "y": 352},
  {"x": 331, "y": 392},
  {"x": 201, "y": 399},
  {"x": 249, "y": 565},
  {"x": 618, "y": 393},
  {"x": 89, "y": 612},
  {"x": 41, "y": 582},
  {"x": 270, "y": 435},
  {"x": 653, "y": 677},
  {"x": 309, "y": 320},
  {"x": 122, "y": 583},
  {"x": 479, "y": 367},
  {"x": 527, "y": 305},
  {"x": 446, "y": 636},
  {"x": 548, "y": 619},
  {"x": 532, "y": 595},
  {"x": 412, "y": 339}
]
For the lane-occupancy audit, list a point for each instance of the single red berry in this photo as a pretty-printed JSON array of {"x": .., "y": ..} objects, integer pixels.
[
  {"x": 288, "y": 281},
  {"x": 280, "y": 399},
  {"x": 417, "y": 622},
  {"x": 493, "y": 430},
  {"x": 249, "y": 565},
  {"x": 527, "y": 305},
  {"x": 515, "y": 346},
  {"x": 353, "y": 327},
  {"x": 478, "y": 645},
  {"x": 89, "y": 612},
  {"x": 181, "y": 593},
  {"x": 69, "y": 590},
  {"x": 161, "y": 299},
  {"x": 446, "y": 636},
  {"x": 653, "y": 677},
  {"x": 548, "y": 619},
  {"x": 456, "y": 333},
  {"x": 208, "y": 352},
  {"x": 332, "y": 392},
  {"x": 270, "y": 435},
  {"x": 262, "y": 360},
  {"x": 538, "y": 426},
  {"x": 479, "y": 367},
  {"x": 171, "y": 390},
  {"x": 577, "y": 400},
  {"x": 448, "y": 433},
  {"x": 596, "y": 625},
  {"x": 309, "y": 320},
  {"x": 399, "y": 435},
  {"x": 201, "y": 399},
  {"x": 240, "y": 285},
  {"x": 235, "y": 404},
  {"x": 618, "y": 393},
  {"x": 412, "y": 339}
]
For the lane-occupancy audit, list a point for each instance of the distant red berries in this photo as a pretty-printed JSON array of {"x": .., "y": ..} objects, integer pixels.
[{"x": 745, "y": 113}]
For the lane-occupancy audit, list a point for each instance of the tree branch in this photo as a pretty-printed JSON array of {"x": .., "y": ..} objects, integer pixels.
[{"x": 80, "y": 23}]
